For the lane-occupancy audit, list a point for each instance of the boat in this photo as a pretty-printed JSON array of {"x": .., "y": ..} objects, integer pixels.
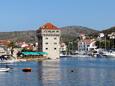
[
  {"x": 26, "y": 69},
  {"x": 4, "y": 69},
  {"x": 110, "y": 53},
  {"x": 7, "y": 59},
  {"x": 80, "y": 55}
]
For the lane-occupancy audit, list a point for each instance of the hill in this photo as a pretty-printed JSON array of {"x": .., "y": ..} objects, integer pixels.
[
  {"x": 28, "y": 36},
  {"x": 107, "y": 31},
  {"x": 68, "y": 33},
  {"x": 72, "y": 32},
  {"x": 75, "y": 30}
]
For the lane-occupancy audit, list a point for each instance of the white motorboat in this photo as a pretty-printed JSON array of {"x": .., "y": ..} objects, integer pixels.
[
  {"x": 4, "y": 69},
  {"x": 8, "y": 61},
  {"x": 79, "y": 55},
  {"x": 111, "y": 54}
]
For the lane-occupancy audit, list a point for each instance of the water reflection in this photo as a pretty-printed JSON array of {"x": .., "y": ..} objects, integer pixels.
[
  {"x": 51, "y": 74},
  {"x": 64, "y": 72},
  {"x": 83, "y": 74}
]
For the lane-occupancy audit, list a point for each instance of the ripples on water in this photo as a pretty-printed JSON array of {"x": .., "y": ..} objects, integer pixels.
[{"x": 63, "y": 72}]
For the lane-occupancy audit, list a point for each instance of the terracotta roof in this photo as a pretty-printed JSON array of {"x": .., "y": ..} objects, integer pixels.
[
  {"x": 49, "y": 26},
  {"x": 4, "y": 42},
  {"x": 87, "y": 41}
]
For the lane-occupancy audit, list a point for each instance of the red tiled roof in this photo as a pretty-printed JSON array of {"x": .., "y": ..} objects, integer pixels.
[
  {"x": 87, "y": 41},
  {"x": 49, "y": 26},
  {"x": 4, "y": 42}
]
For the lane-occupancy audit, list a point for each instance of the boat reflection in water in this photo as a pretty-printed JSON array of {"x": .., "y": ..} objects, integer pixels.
[{"x": 62, "y": 72}]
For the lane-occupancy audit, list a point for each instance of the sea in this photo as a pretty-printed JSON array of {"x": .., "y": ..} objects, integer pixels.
[{"x": 67, "y": 71}]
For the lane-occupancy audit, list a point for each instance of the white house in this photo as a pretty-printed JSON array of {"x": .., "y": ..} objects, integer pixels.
[
  {"x": 49, "y": 40},
  {"x": 63, "y": 47},
  {"x": 86, "y": 45},
  {"x": 3, "y": 50}
]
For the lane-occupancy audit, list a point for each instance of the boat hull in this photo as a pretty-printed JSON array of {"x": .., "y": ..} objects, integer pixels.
[{"x": 4, "y": 69}]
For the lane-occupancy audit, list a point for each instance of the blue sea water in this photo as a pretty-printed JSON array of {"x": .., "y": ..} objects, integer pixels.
[{"x": 63, "y": 72}]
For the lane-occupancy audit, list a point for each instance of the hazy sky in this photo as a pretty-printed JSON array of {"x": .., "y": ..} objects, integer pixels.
[{"x": 16, "y": 15}]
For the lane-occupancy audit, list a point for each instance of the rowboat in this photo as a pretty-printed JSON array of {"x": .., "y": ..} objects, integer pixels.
[
  {"x": 4, "y": 69},
  {"x": 26, "y": 69}
]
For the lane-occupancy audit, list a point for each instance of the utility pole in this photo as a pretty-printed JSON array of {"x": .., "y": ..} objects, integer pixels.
[{"x": 105, "y": 42}]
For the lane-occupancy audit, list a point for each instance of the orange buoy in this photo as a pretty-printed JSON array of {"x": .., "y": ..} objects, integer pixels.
[{"x": 27, "y": 70}]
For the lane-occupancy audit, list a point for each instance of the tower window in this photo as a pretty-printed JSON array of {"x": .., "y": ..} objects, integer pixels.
[
  {"x": 49, "y": 31},
  {"x": 54, "y": 48},
  {"x": 46, "y": 48},
  {"x": 53, "y": 31},
  {"x": 46, "y": 42},
  {"x": 46, "y": 38},
  {"x": 55, "y": 38},
  {"x": 55, "y": 43}
]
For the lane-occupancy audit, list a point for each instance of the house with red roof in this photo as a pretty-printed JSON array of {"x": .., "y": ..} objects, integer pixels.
[
  {"x": 86, "y": 45},
  {"x": 5, "y": 42}
]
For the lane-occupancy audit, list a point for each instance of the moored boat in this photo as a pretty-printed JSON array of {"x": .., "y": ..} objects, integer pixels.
[
  {"x": 7, "y": 59},
  {"x": 26, "y": 69},
  {"x": 4, "y": 69},
  {"x": 110, "y": 53}
]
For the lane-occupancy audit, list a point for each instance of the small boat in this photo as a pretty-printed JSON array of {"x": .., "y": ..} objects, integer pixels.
[
  {"x": 7, "y": 59},
  {"x": 4, "y": 69},
  {"x": 80, "y": 55},
  {"x": 27, "y": 70},
  {"x": 110, "y": 53}
]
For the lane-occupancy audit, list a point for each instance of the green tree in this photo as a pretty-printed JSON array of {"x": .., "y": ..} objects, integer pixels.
[{"x": 11, "y": 44}]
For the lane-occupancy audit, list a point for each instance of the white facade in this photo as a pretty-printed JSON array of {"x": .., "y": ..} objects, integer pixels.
[
  {"x": 86, "y": 45},
  {"x": 63, "y": 47},
  {"x": 3, "y": 51},
  {"x": 49, "y": 41},
  {"x": 82, "y": 46}
]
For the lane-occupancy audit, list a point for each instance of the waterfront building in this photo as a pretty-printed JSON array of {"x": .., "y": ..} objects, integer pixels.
[
  {"x": 82, "y": 36},
  {"x": 49, "y": 40},
  {"x": 3, "y": 50},
  {"x": 86, "y": 45},
  {"x": 112, "y": 35},
  {"x": 63, "y": 48},
  {"x": 4, "y": 42}
]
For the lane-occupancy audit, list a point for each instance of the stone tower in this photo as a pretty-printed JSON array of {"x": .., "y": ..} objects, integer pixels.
[{"x": 49, "y": 40}]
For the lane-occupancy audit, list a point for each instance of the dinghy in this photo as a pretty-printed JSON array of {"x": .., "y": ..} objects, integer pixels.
[
  {"x": 4, "y": 69},
  {"x": 26, "y": 69}
]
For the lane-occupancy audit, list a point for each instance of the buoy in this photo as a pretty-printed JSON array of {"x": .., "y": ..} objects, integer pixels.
[
  {"x": 72, "y": 71},
  {"x": 27, "y": 70}
]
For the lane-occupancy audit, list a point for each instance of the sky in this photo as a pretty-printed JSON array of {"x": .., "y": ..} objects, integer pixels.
[{"x": 20, "y": 15}]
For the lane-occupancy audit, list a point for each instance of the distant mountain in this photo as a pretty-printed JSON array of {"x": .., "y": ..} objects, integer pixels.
[
  {"x": 28, "y": 36},
  {"x": 76, "y": 30},
  {"x": 68, "y": 33},
  {"x": 112, "y": 29}
]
